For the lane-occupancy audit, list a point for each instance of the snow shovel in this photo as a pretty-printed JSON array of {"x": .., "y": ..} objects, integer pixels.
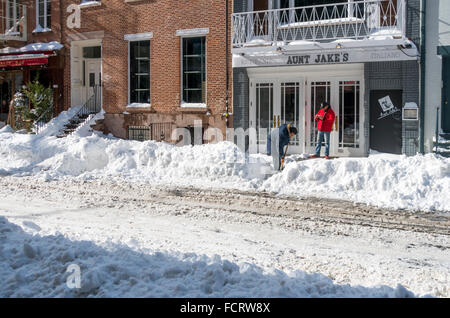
[{"x": 284, "y": 156}]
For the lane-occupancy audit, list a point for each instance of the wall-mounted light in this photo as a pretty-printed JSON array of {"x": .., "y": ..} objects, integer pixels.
[{"x": 339, "y": 46}]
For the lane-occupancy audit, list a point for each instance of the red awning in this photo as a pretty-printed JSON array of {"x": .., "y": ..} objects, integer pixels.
[
  {"x": 25, "y": 59},
  {"x": 23, "y": 62}
]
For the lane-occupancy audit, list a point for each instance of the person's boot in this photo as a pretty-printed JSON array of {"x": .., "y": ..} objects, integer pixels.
[
  {"x": 327, "y": 157},
  {"x": 314, "y": 156}
]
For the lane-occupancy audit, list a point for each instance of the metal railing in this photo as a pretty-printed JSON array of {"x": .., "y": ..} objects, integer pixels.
[
  {"x": 436, "y": 141},
  {"x": 154, "y": 131},
  {"x": 13, "y": 21},
  {"x": 354, "y": 19},
  {"x": 91, "y": 107},
  {"x": 41, "y": 123}
]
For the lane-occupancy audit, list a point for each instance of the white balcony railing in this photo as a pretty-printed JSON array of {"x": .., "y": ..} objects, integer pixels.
[
  {"x": 13, "y": 21},
  {"x": 354, "y": 19}
]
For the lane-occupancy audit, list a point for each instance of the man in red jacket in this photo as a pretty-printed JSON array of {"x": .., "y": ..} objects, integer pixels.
[{"x": 325, "y": 119}]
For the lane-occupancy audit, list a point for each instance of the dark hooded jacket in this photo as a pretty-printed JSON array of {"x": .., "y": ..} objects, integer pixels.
[{"x": 281, "y": 134}]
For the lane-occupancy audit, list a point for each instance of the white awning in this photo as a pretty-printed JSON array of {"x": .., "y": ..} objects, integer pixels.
[{"x": 336, "y": 52}]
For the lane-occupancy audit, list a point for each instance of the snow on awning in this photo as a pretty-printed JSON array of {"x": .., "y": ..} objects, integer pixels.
[
  {"x": 33, "y": 47},
  {"x": 29, "y": 55}
]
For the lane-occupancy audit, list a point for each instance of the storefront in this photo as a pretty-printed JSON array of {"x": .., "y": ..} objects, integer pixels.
[
  {"x": 21, "y": 65},
  {"x": 293, "y": 95},
  {"x": 286, "y": 62}
]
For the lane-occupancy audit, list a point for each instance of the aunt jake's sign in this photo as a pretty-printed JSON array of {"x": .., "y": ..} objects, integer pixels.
[
  {"x": 318, "y": 58},
  {"x": 334, "y": 57}
]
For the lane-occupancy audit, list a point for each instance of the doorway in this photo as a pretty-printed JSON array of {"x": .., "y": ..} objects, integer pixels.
[
  {"x": 446, "y": 94},
  {"x": 346, "y": 100},
  {"x": 274, "y": 103},
  {"x": 386, "y": 121},
  {"x": 93, "y": 79}
]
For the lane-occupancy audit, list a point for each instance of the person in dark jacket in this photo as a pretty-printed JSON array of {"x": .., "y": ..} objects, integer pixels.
[
  {"x": 325, "y": 119},
  {"x": 277, "y": 140}
]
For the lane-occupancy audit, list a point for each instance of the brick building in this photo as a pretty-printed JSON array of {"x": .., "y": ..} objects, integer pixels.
[
  {"x": 158, "y": 62},
  {"x": 361, "y": 56},
  {"x": 30, "y": 44}
]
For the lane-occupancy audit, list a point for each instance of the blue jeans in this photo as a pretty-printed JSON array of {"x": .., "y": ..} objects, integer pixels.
[{"x": 320, "y": 138}]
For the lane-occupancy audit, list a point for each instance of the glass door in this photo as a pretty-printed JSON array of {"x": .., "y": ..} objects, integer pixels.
[
  {"x": 290, "y": 110},
  {"x": 345, "y": 98},
  {"x": 274, "y": 103},
  {"x": 93, "y": 80},
  {"x": 319, "y": 91},
  {"x": 348, "y": 124},
  {"x": 265, "y": 117}
]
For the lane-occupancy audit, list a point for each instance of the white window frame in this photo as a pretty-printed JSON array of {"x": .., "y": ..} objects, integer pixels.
[
  {"x": 45, "y": 27},
  {"x": 132, "y": 38},
  {"x": 12, "y": 21},
  {"x": 193, "y": 33}
]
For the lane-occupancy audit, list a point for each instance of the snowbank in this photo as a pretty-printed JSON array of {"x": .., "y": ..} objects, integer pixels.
[
  {"x": 32, "y": 265},
  {"x": 399, "y": 182}
]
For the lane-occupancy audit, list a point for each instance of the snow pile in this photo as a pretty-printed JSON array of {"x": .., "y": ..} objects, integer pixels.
[
  {"x": 54, "y": 126},
  {"x": 96, "y": 156},
  {"x": 32, "y": 265},
  {"x": 400, "y": 182}
]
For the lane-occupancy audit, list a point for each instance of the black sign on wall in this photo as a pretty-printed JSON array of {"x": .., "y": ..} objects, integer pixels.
[{"x": 386, "y": 121}]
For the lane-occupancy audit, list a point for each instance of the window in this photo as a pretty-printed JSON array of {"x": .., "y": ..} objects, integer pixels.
[
  {"x": 92, "y": 52},
  {"x": 194, "y": 70},
  {"x": 43, "y": 15},
  {"x": 12, "y": 16},
  {"x": 320, "y": 92},
  {"x": 140, "y": 72},
  {"x": 349, "y": 96}
]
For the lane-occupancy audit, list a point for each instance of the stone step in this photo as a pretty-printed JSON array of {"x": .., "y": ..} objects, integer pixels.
[
  {"x": 68, "y": 131},
  {"x": 444, "y": 154},
  {"x": 71, "y": 126}
]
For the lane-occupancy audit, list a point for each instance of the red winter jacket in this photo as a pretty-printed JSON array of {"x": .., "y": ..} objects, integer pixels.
[{"x": 327, "y": 123}]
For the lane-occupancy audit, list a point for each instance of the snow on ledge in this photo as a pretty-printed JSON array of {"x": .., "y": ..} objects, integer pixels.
[
  {"x": 40, "y": 29},
  {"x": 138, "y": 105},
  {"x": 316, "y": 23},
  {"x": 89, "y": 4},
  {"x": 193, "y": 105}
]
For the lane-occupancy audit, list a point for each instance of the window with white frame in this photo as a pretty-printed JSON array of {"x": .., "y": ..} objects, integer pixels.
[
  {"x": 43, "y": 15},
  {"x": 12, "y": 16},
  {"x": 194, "y": 70},
  {"x": 139, "y": 72}
]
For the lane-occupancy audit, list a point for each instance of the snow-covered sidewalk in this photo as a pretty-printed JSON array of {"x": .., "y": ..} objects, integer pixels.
[
  {"x": 420, "y": 183},
  {"x": 148, "y": 246}
]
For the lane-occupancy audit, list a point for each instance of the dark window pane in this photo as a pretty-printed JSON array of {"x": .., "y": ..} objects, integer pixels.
[
  {"x": 194, "y": 70},
  {"x": 140, "y": 72},
  {"x": 92, "y": 52}
]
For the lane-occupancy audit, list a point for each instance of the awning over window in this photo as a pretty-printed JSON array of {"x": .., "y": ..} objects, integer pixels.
[
  {"x": 23, "y": 60},
  {"x": 30, "y": 55}
]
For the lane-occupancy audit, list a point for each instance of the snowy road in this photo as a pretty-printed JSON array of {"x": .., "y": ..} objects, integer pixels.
[{"x": 290, "y": 245}]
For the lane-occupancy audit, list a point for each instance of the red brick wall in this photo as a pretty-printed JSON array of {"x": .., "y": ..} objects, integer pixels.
[{"x": 162, "y": 17}]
